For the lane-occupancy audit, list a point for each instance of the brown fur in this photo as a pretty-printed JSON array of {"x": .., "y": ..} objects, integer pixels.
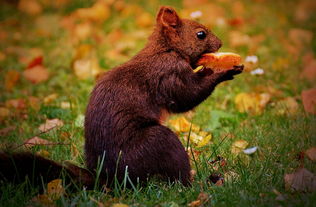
[
  {"x": 127, "y": 105},
  {"x": 123, "y": 122}
]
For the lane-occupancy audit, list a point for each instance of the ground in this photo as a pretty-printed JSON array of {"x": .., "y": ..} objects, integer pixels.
[{"x": 52, "y": 52}]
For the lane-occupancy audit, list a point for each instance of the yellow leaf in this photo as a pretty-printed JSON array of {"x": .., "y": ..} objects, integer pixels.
[
  {"x": 43, "y": 153},
  {"x": 238, "y": 146},
  {"x": 181, "y": 124},
  {"x": 86, "y": 68},
  {"x": 252, "y": 102},
  {"x": 205, "y": 141},
  {"x": 48, "y": 99},
  {"x": 287, "y": 106},
  {"x": 144, "y": 20},
  {"x": 55, "y": 189},
  {"x": 119, "y": 205},
  {"x": 99, "y": 12}
]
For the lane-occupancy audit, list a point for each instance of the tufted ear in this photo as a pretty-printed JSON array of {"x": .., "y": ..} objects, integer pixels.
[{"x": 168, "y": 17}]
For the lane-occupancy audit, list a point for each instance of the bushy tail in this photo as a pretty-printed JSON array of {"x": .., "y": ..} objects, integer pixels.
[{"x": 16, "y": 167}]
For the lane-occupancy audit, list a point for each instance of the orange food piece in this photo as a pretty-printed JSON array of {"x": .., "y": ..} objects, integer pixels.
[{"x": 220, "y": 60}]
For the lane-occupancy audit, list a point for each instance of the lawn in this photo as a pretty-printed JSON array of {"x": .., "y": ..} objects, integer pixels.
[{"x": 244, "y": 141}]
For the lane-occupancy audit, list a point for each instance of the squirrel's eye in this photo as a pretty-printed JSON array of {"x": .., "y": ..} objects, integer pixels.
[{"x": 201, "y": 35}]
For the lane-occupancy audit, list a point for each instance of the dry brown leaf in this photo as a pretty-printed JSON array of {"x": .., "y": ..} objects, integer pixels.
[
  {"x": 301, "y": 180},
  {"x": 4, "y": 112},
  {"x": 11, "y": 78},
  {"x": 55, "y": 189},
  {"x": 287, "y": 106},
  {"x": 311, "y": 153},
  {"x": 36, "y": 141},
  {"x": 238, "y": 146},
  {"x": 16, "y": 103},
  {"x": 50, "y": 124},
  {"x": 201, "y": 200},
  {"x": 252, "y": 102},
  {"x": 309, "y": 100},
  {"x": 30, "y": 7},
  {"x": 5, "y": 131},
  {"x": 309, "y": 71},
  {"x": 36, "y": 74}
]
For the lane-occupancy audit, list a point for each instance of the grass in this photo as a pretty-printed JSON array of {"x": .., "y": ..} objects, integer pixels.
[{"x": 280, "y": 138}]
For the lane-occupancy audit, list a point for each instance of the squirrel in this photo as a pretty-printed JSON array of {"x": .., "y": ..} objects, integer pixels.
[{"x": 123, "y": 121}]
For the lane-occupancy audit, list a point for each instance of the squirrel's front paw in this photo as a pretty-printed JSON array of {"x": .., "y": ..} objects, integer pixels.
[{"x": 229, "y": 74}]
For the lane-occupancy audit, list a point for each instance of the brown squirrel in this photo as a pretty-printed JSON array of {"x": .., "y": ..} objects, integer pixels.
[{"x": 123, "y": 129}]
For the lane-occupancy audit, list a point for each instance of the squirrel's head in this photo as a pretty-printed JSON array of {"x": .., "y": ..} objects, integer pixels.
[{"x": 187, "y": 37}]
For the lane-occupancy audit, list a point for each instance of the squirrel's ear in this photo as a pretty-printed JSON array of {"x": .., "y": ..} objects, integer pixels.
[{"x": 168, "y": 17}]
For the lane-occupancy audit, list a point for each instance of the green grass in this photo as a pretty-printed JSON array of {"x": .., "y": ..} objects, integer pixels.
[{"x": 280, "y": 138}]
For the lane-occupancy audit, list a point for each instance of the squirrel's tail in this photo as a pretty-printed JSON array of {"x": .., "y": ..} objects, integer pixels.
[{"x": 16, "y": 167}]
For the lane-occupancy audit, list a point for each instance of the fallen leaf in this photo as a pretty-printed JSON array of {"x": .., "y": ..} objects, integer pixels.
[
  {"x": 35, "y": 62},
  {"x": 287, "y": 106},
  {"x": 50, "y": 98},
  {"x": 30, "y": 7},
  {"x": 309, "y": 71},
  {"x": 65, "y": 105},
  {"x": 181, "y": 124},
  {"x": 5, "y": 131},
  {"x": 11, "y": 78},
  {"x": 204, "y": 141},
  {"x": 144, "y": 20},
  {"x": 252, "y": 102},
  {"x": 119, "y": 205},
  {"x": 36, "y": 74},
  {"x": 201, "y": 200},
  {"x": 50, "y": 124},
  {"x": 86, "y": 68},
  {"x": 16, "y": 103},
  {"x": 99, "y": 12},
  {"x": 238, "y": 146},
  {"x": 4, "y": 112},
  {"x": 311, "y": 153},
  {"x": 74, "y": 151},
  {"x": 309, "y": 100},
  {"x": 43, "y": 153},
  {"x": 301, "y": 180},
  {"x": 55, "y": 189},
  {"x": 36, "y": 141}
]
